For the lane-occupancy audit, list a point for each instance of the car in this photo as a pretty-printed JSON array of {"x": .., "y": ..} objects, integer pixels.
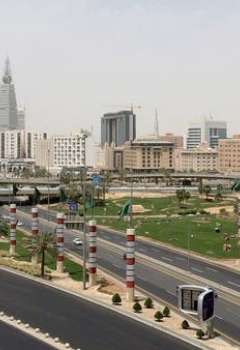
[
  {"x": 19, "y": 223},
  {"x": 77, "y": 241}
]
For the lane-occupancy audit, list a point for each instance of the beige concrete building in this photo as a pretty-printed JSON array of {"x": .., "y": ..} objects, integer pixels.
[
  {"x": 175, "y": 139},
  {"x": 148, "y": 154},
  {"x": 229, "y": 155},
  {"x": 199, "y": 159}
]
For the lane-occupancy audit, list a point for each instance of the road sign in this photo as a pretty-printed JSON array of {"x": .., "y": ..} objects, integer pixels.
[
  {"x": 206, "y": 305},
  {"x": 72, "y": 206},
  {"x": 188, "y": 298},
  {"x": 96, "y": 180}
]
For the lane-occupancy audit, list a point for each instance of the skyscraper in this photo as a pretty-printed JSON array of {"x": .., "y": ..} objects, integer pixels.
[
  {"x": 8, "y": 103},
  {"x": 209, "y": 131},
  {"x": 118, "y": 128}
]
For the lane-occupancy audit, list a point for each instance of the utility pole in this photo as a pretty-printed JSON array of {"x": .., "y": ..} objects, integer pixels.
[{"x": 84, "y": 233}]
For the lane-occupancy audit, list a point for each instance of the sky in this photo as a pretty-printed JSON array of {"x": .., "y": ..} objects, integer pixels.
[{"x": 73, "y": 60}]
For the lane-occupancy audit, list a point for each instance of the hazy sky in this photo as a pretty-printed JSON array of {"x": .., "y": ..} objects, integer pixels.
[{"x": 73, "y": 60}]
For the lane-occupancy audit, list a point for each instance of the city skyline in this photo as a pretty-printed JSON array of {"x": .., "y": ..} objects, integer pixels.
[{"x": 153, "y": 61}]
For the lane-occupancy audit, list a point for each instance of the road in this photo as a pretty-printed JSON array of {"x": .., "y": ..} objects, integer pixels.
[
  {"x": 83, "y": 324},
  {"x": 197, "y": 266},
  {"x": 159, "y": 284},
  {"x": 11, "y": 338}
]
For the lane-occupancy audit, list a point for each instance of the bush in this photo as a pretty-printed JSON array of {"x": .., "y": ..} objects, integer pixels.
[
  {"x": 116, "y": 299},
  {"x": 203, "y": 212},
  {"x": 185, "y": 324},
  {"x": 200, "y": 333},
  {"x": 223, "y": 211},
  {"x": 158, "y": 316},
  {"x": 137, "y": 307},
  {"x": 148, "y": 303},
  {"x": 166, "y": 312}
]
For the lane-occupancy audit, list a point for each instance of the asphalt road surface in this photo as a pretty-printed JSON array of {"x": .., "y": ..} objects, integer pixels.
[
  {"x": 149, "y": 278},
  {"x": 83, "y": 324},
  {"x": 13, "y": 339}
]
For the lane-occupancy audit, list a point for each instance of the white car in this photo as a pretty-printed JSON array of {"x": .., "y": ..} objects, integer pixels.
[
  {"x": 77, "y": 241},
  {"x": 19, "y": 223}
]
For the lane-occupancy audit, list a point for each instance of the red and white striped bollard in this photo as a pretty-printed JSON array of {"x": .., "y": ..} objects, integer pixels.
[
  {"x": 35, "y": 232},
  {"x": 60, "y": 242},
  {"x": 130, "y": 267},
  {"x": 92, "y": 253},
  {"x": 13, "y": 224}
]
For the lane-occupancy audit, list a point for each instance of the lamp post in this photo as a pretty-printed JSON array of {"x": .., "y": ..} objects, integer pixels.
[{"x": 48, "y": 152}]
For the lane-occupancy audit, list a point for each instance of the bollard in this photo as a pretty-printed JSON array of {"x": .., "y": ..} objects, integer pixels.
[
  {"x": 13, "y": 223},
  {"x": 60, "y": 242},
  {"x": 35, "y": 231},
  {"x": 92, "y": 256},
  {"x": 130, "y": 267}
]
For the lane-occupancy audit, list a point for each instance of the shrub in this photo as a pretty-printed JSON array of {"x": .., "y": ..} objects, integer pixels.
[
  {"x": 137, "y": 307},
  {"x": 166, "y": 311},
  {"x": 158, "y": 316},
  {"x": 148, "y": 303},
  {"x": 222, "y": 211},
  {"x": 200, "y": 333},
  {"x": 185, "y": 324},
  {"x": 116, "y": 299}
]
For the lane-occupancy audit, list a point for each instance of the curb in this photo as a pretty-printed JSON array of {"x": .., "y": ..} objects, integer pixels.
[{"x": 112, "y": 308}]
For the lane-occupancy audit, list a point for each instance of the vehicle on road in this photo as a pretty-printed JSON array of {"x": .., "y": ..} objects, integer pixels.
[
  {"x": 19, "y": 223},
  {"x": 77, "y": 241}
]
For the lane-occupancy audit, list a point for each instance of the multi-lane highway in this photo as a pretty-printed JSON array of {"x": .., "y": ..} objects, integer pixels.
[
  {"x": 84, "y": 325},
  {"x": 197, "y": 266},
  {"x": 11, "y": 338},
  {"x": 148, "y": 276}
]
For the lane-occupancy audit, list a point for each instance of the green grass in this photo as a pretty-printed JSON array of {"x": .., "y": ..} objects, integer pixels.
[
  {"x": 23, "y": 254},
  {"x": 175, "y": 231}
]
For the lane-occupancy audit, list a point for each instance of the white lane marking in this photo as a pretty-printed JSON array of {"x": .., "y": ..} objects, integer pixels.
[
  {"x": 166, "y": 258},
  {"x": 196, "y": 269},
  {"x": 170, "y": 292},
  {"x": 211, "y": 269},
  {"x": 219, "y": 317},
  {"x": 180, "y": 258},
  {"x": 234, "y": 284}
]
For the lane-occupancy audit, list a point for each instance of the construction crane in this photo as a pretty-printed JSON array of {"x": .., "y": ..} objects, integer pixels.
[{"x": 132, "y": 107}]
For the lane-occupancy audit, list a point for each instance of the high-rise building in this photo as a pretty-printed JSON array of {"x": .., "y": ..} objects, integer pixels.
[
  {"x": 229, "y": 155},
  {"x": 31, "y": 139},
  {"x": 12, "y": 144},
  {"x": 21, "y": 118},
  {"x": 209, "y": 131},
  {"x": 8, "y": 103},
  {"x": 118, "y": 128},
  {"x": 61, "y": 151}
]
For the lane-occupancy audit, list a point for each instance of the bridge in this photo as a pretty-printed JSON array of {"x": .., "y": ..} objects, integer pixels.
[{"x": 34, "y": 181}]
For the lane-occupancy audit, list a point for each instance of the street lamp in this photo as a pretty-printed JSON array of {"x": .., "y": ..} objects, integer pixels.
[{"x": 48, "y": 152}]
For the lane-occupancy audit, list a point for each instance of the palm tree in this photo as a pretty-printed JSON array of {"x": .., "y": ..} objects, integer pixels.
[
  {"x": 207, "y": 189},
  {"x": 42, "y": 243}
]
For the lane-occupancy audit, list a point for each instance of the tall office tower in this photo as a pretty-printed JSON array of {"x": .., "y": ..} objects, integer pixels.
[
  {"x": 8, "y": 103},
  {"x": 21, "y": 118},
  {"x": 209, "y": 131},
  {"x": 118, "y": 128}
]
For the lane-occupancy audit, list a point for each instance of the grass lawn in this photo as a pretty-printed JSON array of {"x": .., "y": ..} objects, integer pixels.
[
  {"x": 23, "y": 254},
  {"x": 175, "y": 231},
  {"x": 155, "y": 206}
]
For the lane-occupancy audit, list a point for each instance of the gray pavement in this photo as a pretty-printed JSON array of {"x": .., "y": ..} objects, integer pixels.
[
  {"x": 83, "y": 324},
  {"x": 13, "y": 339}
]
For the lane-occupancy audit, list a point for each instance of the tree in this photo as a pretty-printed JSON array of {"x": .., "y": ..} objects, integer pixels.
[
  {"x": 73, "y": 192},
  {"x": 40, "y": 245},
  {"x": 116, "y": 299},
  {"x": 185, "y": 324},
  {"x": 207, "y": 189},
  {"x": 219, "y": 192},
  {"x": 158, "y": 316},
  {"x": 137, "y": 307},
  {"x": 180, "y": 196},
  {"x": 41, "y": 172},
  {"x": 4, "y": 228},
  {"x": 200, "y": 334},
  {"x": 148, "y": 303},
  {"x": 166, "y": 311}
]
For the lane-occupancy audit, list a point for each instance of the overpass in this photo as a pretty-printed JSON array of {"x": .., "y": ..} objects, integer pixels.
[{"x": 36, "y": 181}]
